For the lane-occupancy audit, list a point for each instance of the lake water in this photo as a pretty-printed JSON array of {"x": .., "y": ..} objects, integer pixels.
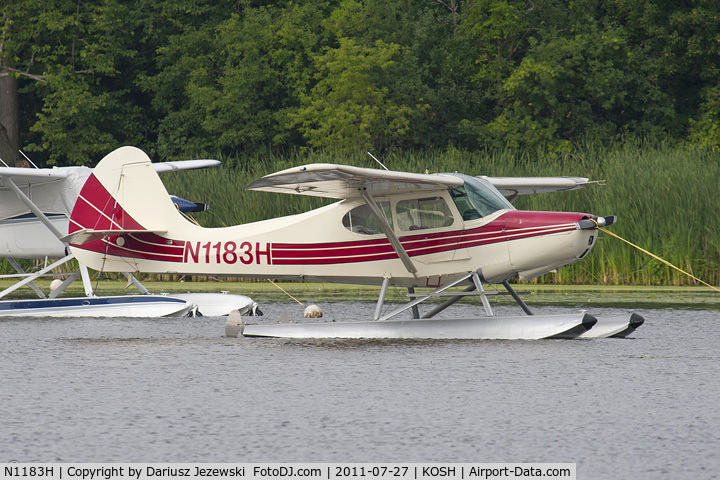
[{"x": 178, "y": 390}]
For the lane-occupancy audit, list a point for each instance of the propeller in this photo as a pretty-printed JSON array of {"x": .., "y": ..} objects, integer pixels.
[{"x": 596, "y": 222}]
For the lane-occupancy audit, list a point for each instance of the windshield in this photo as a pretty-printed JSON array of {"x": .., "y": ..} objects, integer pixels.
[{"x": 477, "y": 198}]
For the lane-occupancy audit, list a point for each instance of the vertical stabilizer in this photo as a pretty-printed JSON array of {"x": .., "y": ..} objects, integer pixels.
[
  {"x": 118, "y": 193},
  {"x": 123, "y": 210}
]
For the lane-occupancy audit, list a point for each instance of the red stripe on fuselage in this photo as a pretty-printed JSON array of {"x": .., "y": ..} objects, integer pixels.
[{"x": 513, "y": 225}]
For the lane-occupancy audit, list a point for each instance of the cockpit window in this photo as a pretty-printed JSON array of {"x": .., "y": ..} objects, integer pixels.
[
  {"x": 423, "y": 213},
  {"x": 477, "y": 198},
  {"x": 361, "y": 220}
]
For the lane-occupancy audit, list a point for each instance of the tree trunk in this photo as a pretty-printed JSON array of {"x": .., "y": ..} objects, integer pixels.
[{"x": 9, "y": 120}]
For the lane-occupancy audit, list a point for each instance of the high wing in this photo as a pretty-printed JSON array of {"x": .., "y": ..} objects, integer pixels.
[
  {"x": 36, "y": 176},
  {"x": 511, "y": 187},
  {"x": 31, "y": 176},
  {"x": 342, "y": 181}
]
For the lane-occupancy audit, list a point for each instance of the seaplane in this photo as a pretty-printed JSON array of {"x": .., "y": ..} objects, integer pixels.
[
  {"x": 35, "y": 208},
  {"x": 436, "y": 232}
]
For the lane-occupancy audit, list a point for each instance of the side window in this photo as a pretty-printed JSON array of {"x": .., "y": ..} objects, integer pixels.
[
  {"x": 361, "y": 220},
  {"x": 423, "y": 213}
]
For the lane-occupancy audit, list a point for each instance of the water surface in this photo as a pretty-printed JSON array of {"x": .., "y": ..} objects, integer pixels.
[{"x": 177, "y": 390}]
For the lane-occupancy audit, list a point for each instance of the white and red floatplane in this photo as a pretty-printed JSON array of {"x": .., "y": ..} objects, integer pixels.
[{"x": 433, "y": 231}]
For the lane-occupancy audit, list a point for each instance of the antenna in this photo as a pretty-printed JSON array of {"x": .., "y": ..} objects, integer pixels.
[
  {"x": 378, "y": 161},
  {"x": 28, "y": 159}
]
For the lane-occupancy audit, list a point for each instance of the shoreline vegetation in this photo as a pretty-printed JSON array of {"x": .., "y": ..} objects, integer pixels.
[{"x": 623, "y": 297}]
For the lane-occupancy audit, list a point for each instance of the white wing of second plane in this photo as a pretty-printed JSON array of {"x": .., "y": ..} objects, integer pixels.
[
  {"x": 37, "y": 176},
  {"x": 54, "y": 190},
  {"x": 25, "y": 176}
]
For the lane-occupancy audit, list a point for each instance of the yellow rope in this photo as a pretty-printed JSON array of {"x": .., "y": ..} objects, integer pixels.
[
  {"x": 188, "y": 217},
  {"x": 286, "y": 293},
  {"x": 656, "y": 257}
]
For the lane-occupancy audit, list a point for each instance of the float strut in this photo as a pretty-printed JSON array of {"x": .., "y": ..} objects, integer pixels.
[
  {"x": 415, "y": 311},
  {"x": 381, "y": 298},
  {"x": 20, "y": 270},
  {"x": 517, "y": 298},
  {"x": 423, "y": 298},
  {"x": 483, "y": 297},
  {"x": 447, "y": 303}
]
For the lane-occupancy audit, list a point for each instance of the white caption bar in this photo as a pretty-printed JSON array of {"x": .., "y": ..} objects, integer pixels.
[{"x": 304, "y": 471}]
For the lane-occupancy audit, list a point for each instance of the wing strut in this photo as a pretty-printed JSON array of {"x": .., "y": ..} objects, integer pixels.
[{"x": 388, "y": 231}]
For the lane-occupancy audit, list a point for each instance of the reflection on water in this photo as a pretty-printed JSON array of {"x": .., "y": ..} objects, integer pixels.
[{"x": 157, "y": 390}]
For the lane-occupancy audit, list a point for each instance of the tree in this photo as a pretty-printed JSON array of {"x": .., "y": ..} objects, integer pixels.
[
  {"x": 9, "y": 119},
  {"x": 265, "y": 66},
  {"x": 491, "y": 40},
  {"x": 182, "y": 50},
  {"x": 349, "y": 107},
  {"x": 9, "y": 105},
  {"x": 188, "y": 77},
  {"x": 677, "y": 44},
  {"x": 66, "y": 56}
]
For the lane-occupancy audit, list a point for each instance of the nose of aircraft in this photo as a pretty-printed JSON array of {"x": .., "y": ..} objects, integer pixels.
[
  {"x": 596, "y": 222},
  {"x": 543, "y": 241}
]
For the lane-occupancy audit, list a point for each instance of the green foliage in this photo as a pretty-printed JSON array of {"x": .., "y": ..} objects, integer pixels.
[
  {"x": 268, "y": 65},
  {"x": 180, "y": 38},
  {"x": 349, "y": 109},
  {"x": 705, "y": 130},
  {"x": 67, "y": 55},
  {"x": 237, "y": 78}
]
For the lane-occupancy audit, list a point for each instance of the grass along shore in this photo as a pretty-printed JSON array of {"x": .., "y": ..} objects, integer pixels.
[{"x": 581, "y": 296}]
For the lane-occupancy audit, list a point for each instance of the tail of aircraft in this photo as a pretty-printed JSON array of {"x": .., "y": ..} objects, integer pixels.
[{"x": 124, "y": 207}]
